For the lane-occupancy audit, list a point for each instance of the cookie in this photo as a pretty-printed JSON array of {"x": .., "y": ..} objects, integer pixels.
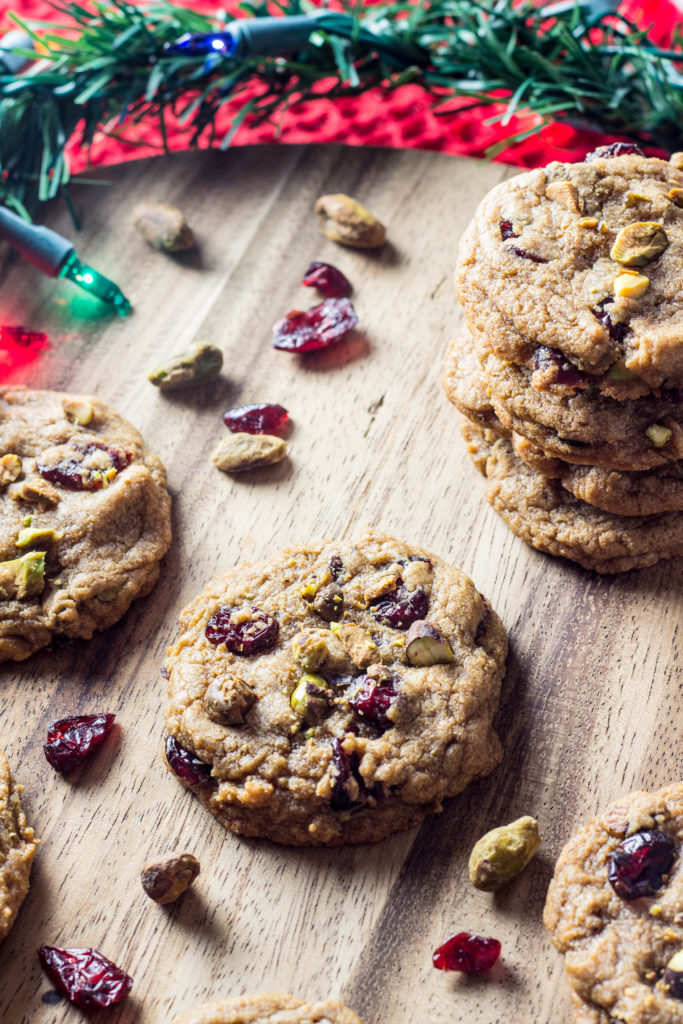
[
  {"x": 465, "y": 384},
  {"x": 85, "y": 518},
  {"x": 545, "y": 515},
  {"x": 550, "y": 260},
  {"x": 335, "y": 693},
  {"x": 268, "y": 1009},
  {"x": 17, "y": 847},
  {"x": 615, "y": 911}
]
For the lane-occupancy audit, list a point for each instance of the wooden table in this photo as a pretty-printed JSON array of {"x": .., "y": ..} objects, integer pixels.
[{"x": 592, "y": 699}]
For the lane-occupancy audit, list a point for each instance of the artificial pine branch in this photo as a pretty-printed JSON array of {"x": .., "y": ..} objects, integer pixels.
[{"x": 580, "y": 64}]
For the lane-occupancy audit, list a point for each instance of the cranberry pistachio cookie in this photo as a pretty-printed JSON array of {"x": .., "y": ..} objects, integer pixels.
[
  {"x": 585, "y": 260},
  {"x": 85, "y": 518},
  {"x": 268, "y": 1009},
  {"x": 17, "y": 847},
  {"x": 615, "y": 911},
  {"x": 335, "y": 693},
  {"x": 540, "y": 510}
]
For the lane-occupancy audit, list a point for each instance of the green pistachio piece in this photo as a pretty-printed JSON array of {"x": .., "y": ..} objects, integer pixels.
[
  {"x": 312, "y": 698},
  {"x": 80, "y": 413},
  {"x": 24, "y": 576},
  {"x": 188, "y": 369},
  {"x": 658, "y": 434},
  {"x": 228, "y": 701},
  {"x": 425, "y": 645},
  {"x": 638, "y": 244},
  {"x": 619, "y": 372},
  {"x": 36, "y": 535},
  {"x": 503, "y": 853},
  {"x": 240, "y": 452},
  {"x": 10, "y": 469}
]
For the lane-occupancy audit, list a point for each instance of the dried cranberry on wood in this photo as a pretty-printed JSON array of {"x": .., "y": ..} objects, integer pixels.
[
  {"x": 638, "y": 863},
  {"x": 251, "y": 636},
  {"x": 187, "y": 766},
  {"x": 85, "y": 976},
  {"x": 328, "y": 280},
  {"x": 372, "y": 702},
  {"x": 71, "y": 741},
  {"x": 400, "y": 608},
  {"x": 472, "y": 954},
  {"x": 316, "y": 328},
  {"x": 266, "y": 418}
]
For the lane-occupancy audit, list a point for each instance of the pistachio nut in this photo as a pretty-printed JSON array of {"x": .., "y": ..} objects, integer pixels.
[
  {"x": 188, "y": 369},
  {"x": 227, "y": 702},
  {"x": 360, "y": 646},
  {"x": 36, "y": 535},
  {"x": 328, "y": 602},
  {"x": 240, "y": 452},
  {"x": 312, "y": 698},
  {"x": 167, "y": 878},
  {"x": 672, "y": 979},
  {"x": 10, "y": 469},
  {"x": 640, "y": 243},
  {"x": 343, "y": 219},
  {"x": 38, "y": 492},
  {"x": 503, "y": 853},
  {"x": 24, "y": 576},
  {"x": 630, "y": 285},
  {"x": 588, "y": 222},
  {"x": 80, "y": 413},
  {"x": 658, "y": 434},
  {"x": 425, "y": 645},
  {"x": 315, "y": 649},
  {"x": 676, "y": 196},
  {"x": 564, "y": 193},
  {"x": 620, "y": 372},
  {"x": 163, "y": 226}
]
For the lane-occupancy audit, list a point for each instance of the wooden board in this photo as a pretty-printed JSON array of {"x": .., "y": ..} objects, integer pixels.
[{"x": 591, "y": 702}]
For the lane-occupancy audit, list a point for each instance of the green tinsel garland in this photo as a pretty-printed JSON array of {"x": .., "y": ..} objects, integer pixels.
[{"x": 582, "y": 64}]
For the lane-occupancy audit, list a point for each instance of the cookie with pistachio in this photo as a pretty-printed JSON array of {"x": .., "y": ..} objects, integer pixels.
[
  {"x": 268, "y": 1009},
  {"x": 85, "y": 518},
  {"x": 17, "y": 847},
  {"x": 615, "y": 912},
  {"x": 334, "y": 693},
  {"x": 583, "y": 261}
]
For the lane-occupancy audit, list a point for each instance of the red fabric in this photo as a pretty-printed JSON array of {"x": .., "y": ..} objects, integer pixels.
[{"x": 402, "y": 119}]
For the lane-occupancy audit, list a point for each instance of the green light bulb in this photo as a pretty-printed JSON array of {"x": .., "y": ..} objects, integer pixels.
[{"x": 95, "y": 284}]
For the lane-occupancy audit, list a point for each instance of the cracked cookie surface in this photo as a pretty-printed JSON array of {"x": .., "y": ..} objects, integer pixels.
[
  {"x": 616, "y": 949},
  {"x": 17, "y": 848},
  {"x": 85, "y": 518},
  {"x": 268, "y": 1009},
  {"x": 291, "y": 678}
]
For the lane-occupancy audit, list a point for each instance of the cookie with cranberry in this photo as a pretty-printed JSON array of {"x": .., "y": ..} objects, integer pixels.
[
  {"x": 268, "y": 1009},
  {"x": 17, "y": 847},
  {"x": 585, "y": 260},
  {"x": 539, "y": 510},
  {"x": 85, "y": 518},
  {"x": 335, "y": 693},
  {"x": 615, "y": 911}
]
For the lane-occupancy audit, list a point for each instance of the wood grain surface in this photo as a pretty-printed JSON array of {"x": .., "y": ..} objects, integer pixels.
[{"x": 591, "y": 703}]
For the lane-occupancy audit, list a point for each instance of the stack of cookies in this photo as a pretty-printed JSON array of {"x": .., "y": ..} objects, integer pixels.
[{"x": 570, "y": 367}]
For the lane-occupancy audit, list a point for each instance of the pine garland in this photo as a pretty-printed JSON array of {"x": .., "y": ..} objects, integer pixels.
[{"x": 109, "y": 65}]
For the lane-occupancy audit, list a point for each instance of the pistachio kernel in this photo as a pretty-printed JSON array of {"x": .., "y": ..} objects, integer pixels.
[
  {"x": 620, "y": 372},
  {"x": 80, "y": 413},
  {"x": 658, "y": 434},
  {"x": 564, "y": 193},
  {"x": 10, "y": 469},
  {"x": 188, "y": 369},
  {"x": 240, "y": 452},
  {"x": 640, "y": 243},
  {"x": 227, "y": 702},
  {"x": 167, "y": 878},
  {"x": 503, "y": 853},
  {"x": 163, "y": 226},
  {"x": 311, "y": 698},
  {"x": 425, "y": 645},
  {"x": 633, "y": 198},
  {"x": 630, "y": 285},
  {"x": 588, "y": 222},
  {"x": 328, "y": 603},
  {"x": 343, "y": 219},
  {"x": 23, "y": 577},
  {"x": 676, "y": 196},
  {"x": 672, "y": 979},
  {"x": 37, "y": 492},
  {"x": 36, "y": 535}
]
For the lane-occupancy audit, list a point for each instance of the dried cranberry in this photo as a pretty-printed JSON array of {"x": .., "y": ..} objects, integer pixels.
[
  {"x": 525, "y": 254},
  {"x": 316, "y": 328},
  {"x": 565, "y": 374},
  {"x": 507, "y": 230},
  {"x": 328, "y": 280},
  {"x": 472, "y": 954},
  {"x": 637, "y": 865},
  {"x": 251, "y": 636},
  {"x": 87, "y": 978},
  {"x": 672, "y": 982},
  {"x": 336, "y": 567},
  {"x": 614, "y": 149},
  {"x": 345, "y": 772},
  {"x": 71, "y": 741},
  {"x": 21, "y": 336},
  {"x": 400, "y": 608},
  {"x": 372, "y": 702},
  {"x": 76, "y": 475},
  {"x": 187, "y": 766},
  {"x": 256, "y": 419},
  {"x": 616, "y": 331}
]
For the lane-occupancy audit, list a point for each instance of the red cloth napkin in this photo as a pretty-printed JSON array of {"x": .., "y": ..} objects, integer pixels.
[{"x": 402, "y": 119}]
